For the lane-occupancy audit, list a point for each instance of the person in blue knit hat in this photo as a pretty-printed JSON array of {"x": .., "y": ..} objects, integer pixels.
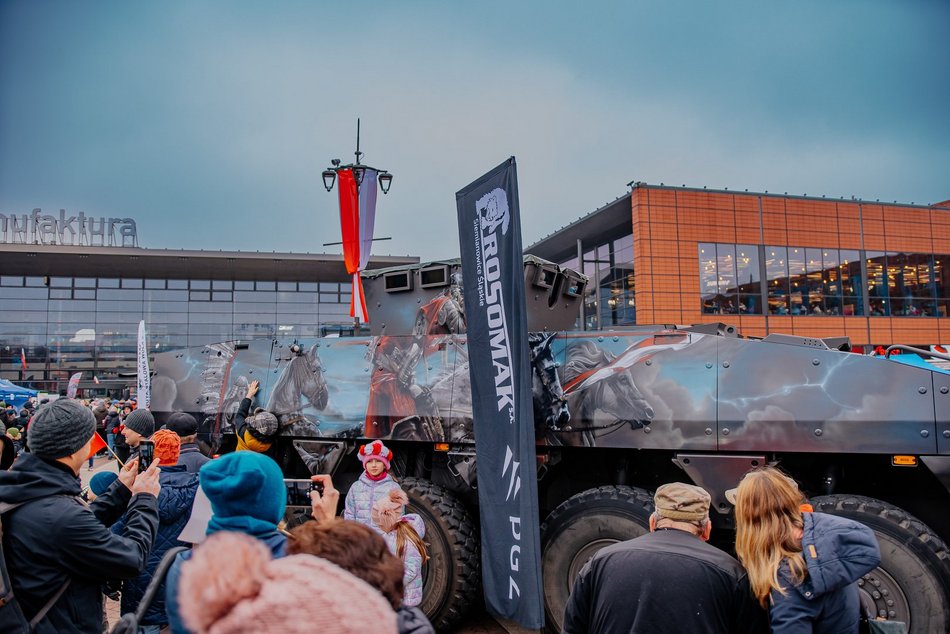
[{"x": 247, "y": 495}]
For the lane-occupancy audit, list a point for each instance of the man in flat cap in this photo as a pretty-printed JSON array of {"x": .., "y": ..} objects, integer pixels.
[
  {"x": 669, "y": 580},
  {"x": 58, "y": 549}
]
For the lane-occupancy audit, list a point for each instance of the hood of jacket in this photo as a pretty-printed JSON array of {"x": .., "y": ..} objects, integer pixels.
[
  {"x": 177, "y": 494},
  {"x": 30, "y": 478},
  {"x": 415, "y": 521},
  {"x": 837, "y": 552}
]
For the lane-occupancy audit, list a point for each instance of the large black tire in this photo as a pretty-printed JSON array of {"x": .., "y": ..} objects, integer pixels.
[
  {"x": 578, "y": 528},
  {"x": 452, "y": 577},
  {"x": 912, "y": 584}
]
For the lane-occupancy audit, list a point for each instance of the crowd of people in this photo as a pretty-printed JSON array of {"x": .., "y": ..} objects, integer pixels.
[{"x": 65, "y": 548}]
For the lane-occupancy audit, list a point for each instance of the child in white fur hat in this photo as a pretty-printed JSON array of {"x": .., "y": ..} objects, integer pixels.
[
  {"x": 374, "y": 484},
  {"x": 403, "y": 535}
]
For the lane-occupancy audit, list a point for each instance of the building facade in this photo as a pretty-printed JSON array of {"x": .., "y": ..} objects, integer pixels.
[
  {"x": 814, "y": 267},
  {"x": 77, "y": 308}
]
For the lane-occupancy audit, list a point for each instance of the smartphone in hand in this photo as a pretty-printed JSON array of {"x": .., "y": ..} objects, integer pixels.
[{"x": 146, "y": 454}]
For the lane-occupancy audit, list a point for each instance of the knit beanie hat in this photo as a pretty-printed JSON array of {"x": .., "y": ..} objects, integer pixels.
[
  {"x": 167, "y": 447},
  {"x": 101, "y": 482},
  {"x": 244, "y": 484},
  {"x": 231, "y": 585},
  {"x": 264, "y": 423},
  {"x": 376, "y": 450},
  {"x": 60, "y": 429},
  {"x": 182, "y": 423},
  {"x": 387, "y": 511},
  {"x": 141, "y": 421}
]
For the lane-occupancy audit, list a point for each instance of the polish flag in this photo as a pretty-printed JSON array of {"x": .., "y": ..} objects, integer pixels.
[
  {"x": 357, "y": 220},
  {"x": 23, "y": 358},
  {"x": 95, "y": 379}
]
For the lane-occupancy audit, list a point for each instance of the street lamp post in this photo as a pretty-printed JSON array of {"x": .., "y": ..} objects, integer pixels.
[{"x": 357, "y": 189}]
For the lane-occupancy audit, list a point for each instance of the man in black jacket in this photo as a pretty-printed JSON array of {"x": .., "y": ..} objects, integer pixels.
[
  {"x": 53, "y": 536},
  {"x": 669, "y": 580}
]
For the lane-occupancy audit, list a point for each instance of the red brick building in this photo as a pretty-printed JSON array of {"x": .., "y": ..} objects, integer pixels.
[{"x": 801, "y": 265}]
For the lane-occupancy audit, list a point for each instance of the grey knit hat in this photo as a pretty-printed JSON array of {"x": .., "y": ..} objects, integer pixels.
[
  {"x": 141, "y": 421},
  {"x": 60, "y": 429}
]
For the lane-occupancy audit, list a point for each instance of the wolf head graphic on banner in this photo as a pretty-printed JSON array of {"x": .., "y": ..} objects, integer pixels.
[{"x": 493, "y": 211}]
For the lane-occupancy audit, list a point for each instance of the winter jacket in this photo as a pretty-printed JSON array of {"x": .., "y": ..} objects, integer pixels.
[
  {"x": 665, "y": 581},
  {"x": 174, "y": 509},
  {"x": 363, "y": 494},
  {"x": 837, "y": 553},
  {"x": 54, "y": 536},
  {"x": 411, "y": 561},
  {"x": 191, "y": 457},
  {"x": 247, "y": 438},
  {"x": 276, "y": 541},
  {"x": 412, "y": 621}
]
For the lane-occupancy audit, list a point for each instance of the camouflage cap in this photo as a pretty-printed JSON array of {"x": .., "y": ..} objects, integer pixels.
[{"x": 682, "y": 502}]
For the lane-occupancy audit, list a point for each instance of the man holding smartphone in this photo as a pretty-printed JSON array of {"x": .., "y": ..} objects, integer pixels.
[
  {"x": 59, "y": 549},
  {"x": 139, "y": 426}
]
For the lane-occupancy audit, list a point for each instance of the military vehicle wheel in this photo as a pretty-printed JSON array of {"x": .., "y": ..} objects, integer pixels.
[
  {"x": 578, "y": 528},
  {"x": 912, "y": 584},
  {"x": 452, "y": 577}
]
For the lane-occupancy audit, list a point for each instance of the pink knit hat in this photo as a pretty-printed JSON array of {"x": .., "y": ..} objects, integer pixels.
[
  {"x": 388, "y": 511},
  {"x": 376, "y": 450},
  {"x": 232, "y": 586}
]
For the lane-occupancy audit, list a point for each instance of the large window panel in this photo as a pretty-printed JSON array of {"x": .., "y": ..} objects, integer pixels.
[
  {"x": 877, "y": 283},
  {"x": 776, "y": 277}
]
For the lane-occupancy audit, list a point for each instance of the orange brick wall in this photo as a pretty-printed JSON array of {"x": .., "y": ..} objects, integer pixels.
[{"x": 668, "y": 224}]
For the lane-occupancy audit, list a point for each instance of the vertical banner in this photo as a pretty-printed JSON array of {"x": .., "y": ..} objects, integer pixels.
[
  {"x": 144, "y": 392},
  {"x": 23, "y": 359},
  {"x": 73, "y": 385},
  {"x": 497, "y": 330},
  {"x": 350, "y": 229}
]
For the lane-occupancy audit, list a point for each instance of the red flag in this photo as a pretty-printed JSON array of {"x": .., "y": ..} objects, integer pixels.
[
  {"x": 350, "y": 227},
  {"x": 96, "y": 379},
  {"x": 23, "y": 358},
  {"x": 98, "y": 444}
]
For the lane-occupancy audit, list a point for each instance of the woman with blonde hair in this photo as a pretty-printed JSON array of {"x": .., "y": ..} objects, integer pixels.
[{"x": 802, "y": 566}]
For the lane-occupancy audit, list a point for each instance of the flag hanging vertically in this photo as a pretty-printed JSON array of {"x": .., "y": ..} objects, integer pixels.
[
  {"x": 23, "y": 358},
  {"x": 357, "y": 220},
  {"x": 73, "y": 386},
  {"x": 143, "y": 395},
  {"x": 95, "y": 379},
  {"x": 497, "y": 331}
]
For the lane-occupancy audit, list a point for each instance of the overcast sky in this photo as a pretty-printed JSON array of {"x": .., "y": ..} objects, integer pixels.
[{"x": 210, "y": 122}]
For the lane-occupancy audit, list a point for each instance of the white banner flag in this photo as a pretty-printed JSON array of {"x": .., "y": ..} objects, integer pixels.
[{"x": 144, "y": 395}]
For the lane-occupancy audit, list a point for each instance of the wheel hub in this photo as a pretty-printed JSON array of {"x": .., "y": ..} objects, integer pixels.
[
  {"x": 583, "y": 556},
  {"x": 883, "y": 597}
]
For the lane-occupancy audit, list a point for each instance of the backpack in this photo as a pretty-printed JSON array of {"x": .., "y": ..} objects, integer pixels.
[{"x": 12, "y": 619}]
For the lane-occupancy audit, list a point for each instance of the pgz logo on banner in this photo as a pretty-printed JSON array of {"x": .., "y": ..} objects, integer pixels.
[{"x": 493, "y": 214}]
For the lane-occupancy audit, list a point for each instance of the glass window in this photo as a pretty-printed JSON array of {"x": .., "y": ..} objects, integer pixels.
[
  {"x": 154, "y": 283},
  {"x": 877, "y": 283},
  {"x": 166, "y": 296},
  {"x": 776, "y": 276},
  {"x": 60, "y": 293},
  {"x": 329, "y": 287},
  {"x": 852, "y": 284},
  {"x": 61, "y": 282},
  {"x": 107, "y": 282},
  {"x": 327, "y": 298},
  {"x": 201, "y": 285},
  {"x": 178, "y": 284},
  {"x": 11, "y": 280},
  {"x": 199, "y": 296},
  {"x": 266, "y": 286},
  {"x": 221, "y": 296},
  {"x": 108, "y": 293},
  {"x": 131, "y": 283},
  {"x": 35, "y": 281},
  {"x": 221, "y": 285},
  {"x": 244, "y": 285},
  {"x": 84, "y": 282},
  {"x": 310, "y": 287},
  {"x": 286, "y": 286}
]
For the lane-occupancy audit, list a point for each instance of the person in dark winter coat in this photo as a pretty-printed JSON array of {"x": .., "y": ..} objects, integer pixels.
[
  {"x": 247, "y": 495},
  {"x": 119, "y": 446},
  {"x": 174, "y": 508},
  {"x": 186, "y": 427},
  {"x": 816, "y": 559},
  {"x": 54, "y": 537},
  {"x": 669, "y": 580}
]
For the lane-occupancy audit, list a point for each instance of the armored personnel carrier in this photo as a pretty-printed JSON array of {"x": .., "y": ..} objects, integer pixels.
[{"x": 616, "y": 414}]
